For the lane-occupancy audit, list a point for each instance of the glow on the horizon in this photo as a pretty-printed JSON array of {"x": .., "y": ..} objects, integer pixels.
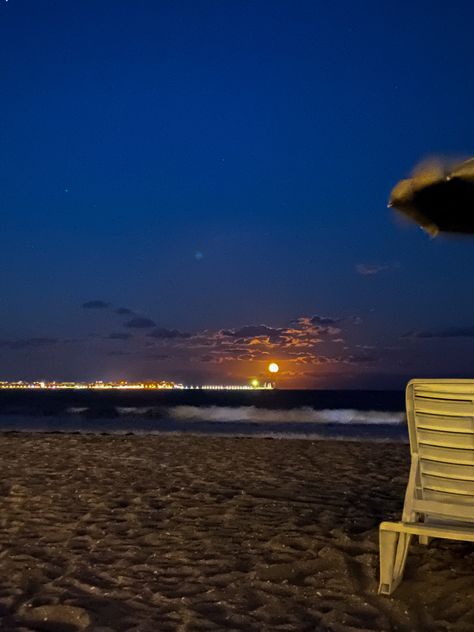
[{"x": 273, "y": 367}]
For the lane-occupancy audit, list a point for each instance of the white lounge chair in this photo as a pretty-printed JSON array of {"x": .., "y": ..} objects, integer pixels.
[{"x": 439, "y": 500}]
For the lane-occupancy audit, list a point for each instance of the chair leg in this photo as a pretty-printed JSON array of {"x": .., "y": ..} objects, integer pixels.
[
  {"x": 393, "y": 555},
  {"x": 424, "y": 539}
]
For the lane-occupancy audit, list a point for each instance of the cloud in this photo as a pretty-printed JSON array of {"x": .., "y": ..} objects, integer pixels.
[
  {"x": 95, "y": 305},
  {"x": 28, "y": 343},
  {"x": 168, "y": 334},
  {"x": 298, "y": 343},
  {"x": 369, "y": 269},
  {"x": 311, "y": 329},
  {"x": 310, "y": 358},
  {"x": 123, "y": 311},
  {"x": 257, "y": 342},
  {"x": 304, "y": 342},
  {"x": 253, "y": 331},
  {"x": 220, "y": 359},
  {"x": 303, "y": 332},
  {"x": 323, "y": 320},
  {"x": 447, "y": 332},
  {"x": 139, "y": 322}
]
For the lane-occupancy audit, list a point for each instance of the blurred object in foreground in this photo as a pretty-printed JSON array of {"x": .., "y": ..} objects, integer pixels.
[{"x": 438, "y": 197}]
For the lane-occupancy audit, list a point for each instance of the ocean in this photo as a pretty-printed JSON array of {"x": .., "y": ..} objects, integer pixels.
[{"x": 311, "y": 414}]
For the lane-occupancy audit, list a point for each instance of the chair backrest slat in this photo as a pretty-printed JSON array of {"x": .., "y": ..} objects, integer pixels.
[
  {"x": 444, "y": 406},
  {"x": 445, "y": 439},
  {"x": 448, "y": 423},
  {"x": 444, "y": 388},
  {"x": 441, "y": 425},
  {"x": 448, "y": 512},
  {"x": 447, "y": 470},
  {"x": 442, "y": 454}
]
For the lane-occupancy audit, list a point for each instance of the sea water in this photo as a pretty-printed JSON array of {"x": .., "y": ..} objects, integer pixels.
[{"x": 356, "y": 415}]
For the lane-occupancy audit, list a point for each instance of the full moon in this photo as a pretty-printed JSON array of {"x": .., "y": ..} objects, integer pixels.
[{"x": 273, "y": 367}]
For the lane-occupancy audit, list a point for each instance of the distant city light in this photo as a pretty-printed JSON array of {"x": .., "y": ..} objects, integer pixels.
[
  {"x": 124, "y": 385},
  {"x": 273, "y": 367}
]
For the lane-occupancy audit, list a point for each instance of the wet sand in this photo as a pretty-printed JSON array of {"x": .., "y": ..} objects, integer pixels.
[{"x": 157, "y": 533}]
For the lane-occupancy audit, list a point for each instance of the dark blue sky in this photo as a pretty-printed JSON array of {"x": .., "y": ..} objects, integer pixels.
[{"x": 219, "y": 165}]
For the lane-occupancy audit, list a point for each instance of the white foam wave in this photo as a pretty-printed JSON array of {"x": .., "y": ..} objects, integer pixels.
[
  {"x": 306, "y": 414},
  {"x": 133, "y": 410}
]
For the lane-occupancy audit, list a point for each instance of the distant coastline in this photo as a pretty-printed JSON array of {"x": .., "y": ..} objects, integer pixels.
[{"x": 125, "y": 385}]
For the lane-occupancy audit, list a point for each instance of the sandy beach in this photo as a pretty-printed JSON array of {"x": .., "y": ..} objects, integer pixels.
[{"x": 158, "y": 533}]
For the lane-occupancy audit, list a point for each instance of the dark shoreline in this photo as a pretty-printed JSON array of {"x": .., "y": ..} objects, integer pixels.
[{"x": 357, "y": 433}]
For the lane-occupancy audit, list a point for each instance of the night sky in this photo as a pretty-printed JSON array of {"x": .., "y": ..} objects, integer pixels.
[{"x": 190, "y": 189}]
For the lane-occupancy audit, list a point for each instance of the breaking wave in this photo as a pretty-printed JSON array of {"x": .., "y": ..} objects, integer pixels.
[
  {"x": 240, "y": 421},
  {"x": 252, "y": 414}
]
